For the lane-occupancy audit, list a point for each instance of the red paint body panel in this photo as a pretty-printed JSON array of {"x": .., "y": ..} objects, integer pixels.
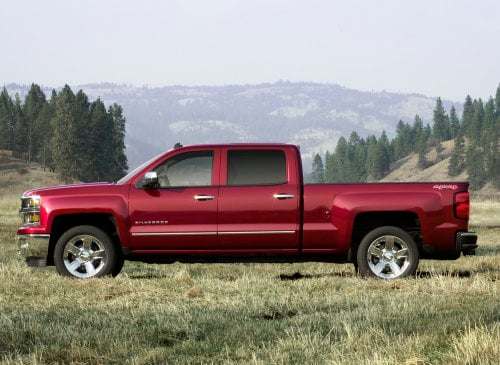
[
  {"x": 162, "y": 219},
  {"x": 288, "y": 217},
  {"x": 330, "y": 211}
]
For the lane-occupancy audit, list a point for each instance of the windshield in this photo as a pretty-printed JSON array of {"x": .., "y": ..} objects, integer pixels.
[{"x": 132, "y": 173}]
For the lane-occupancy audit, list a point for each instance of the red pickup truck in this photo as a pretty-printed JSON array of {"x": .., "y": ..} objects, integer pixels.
[{"x": 241, "y": 202}]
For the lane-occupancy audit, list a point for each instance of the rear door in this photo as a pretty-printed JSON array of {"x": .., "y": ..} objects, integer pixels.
[{"x": 258, "y": 200}]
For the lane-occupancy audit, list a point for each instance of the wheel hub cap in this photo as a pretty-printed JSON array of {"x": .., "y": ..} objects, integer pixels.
[
  {"x": 84, "y": 256},
  {"x": 387, "y": 257}
]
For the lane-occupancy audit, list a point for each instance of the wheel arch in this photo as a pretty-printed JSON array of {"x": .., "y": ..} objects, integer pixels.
[
  {"x": 62, "y": 223},
  {"x": 365, "y": 222}
]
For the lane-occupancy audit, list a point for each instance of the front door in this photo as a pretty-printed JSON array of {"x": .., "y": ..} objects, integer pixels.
[{"x": 180, "y": 213}]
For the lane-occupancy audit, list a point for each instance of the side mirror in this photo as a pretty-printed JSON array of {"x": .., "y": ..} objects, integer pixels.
[{"x": 150, "y": 180}]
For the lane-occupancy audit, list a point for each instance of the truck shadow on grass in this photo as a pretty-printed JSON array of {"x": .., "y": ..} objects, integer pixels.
[
  {"x": 299, "y": 276},
  {"x": 419, "y": 274}
]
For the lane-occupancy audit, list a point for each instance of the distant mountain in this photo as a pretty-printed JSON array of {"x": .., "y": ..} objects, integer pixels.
[{"x": 311, "y": 115}]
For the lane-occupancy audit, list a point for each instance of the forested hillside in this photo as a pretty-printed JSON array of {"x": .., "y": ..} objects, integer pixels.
[
  {"x": 311, "y": 115},
  {"x": 78, "y": 139},
  {"x": 476, "y": 151}
]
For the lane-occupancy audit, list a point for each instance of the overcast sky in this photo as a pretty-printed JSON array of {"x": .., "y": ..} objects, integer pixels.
[{"x": 433, "y": 47}]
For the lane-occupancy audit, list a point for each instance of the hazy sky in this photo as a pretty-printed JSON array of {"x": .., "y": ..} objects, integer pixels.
[{"x": 433, "y": 47}]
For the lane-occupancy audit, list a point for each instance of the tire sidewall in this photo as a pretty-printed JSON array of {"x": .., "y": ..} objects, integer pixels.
[
  {"x": 104, "y": 239},
  {"x": 413, "y": 253}
]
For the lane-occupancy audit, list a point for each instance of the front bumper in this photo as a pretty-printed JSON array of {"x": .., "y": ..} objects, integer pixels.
[
  {"x": 33, "y": 248},
  {"x": 466, "y": 243}
]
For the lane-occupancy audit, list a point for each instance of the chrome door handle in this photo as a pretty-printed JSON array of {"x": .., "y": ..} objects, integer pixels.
[
  {"x": 283, "y": 196},
  {"x": 204, "y": 197}
]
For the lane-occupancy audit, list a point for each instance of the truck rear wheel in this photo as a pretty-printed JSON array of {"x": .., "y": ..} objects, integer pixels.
[
  {"x": 85, "y": 252},
  {"x": 387, "y": 253}
]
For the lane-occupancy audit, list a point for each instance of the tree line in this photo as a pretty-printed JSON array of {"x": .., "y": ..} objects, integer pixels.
[
  {"x": 68, "y": 134},
  {"x": 476, "y": 148}
]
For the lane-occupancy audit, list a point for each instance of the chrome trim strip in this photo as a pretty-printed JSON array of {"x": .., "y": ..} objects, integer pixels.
[
  {"x": 255, "y": 232},
  {"x": 227, "y": 233},
  {"x": 152, "y": 234}
]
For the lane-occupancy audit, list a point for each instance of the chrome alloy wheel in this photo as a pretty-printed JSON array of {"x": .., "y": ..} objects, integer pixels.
[
  {"x": 84, "y": 256},
  {"x": 388, "y": 257}
]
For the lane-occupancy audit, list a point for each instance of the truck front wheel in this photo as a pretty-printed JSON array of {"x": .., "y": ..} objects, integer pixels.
[
  {"x": 85, "y": 252},
  {"x": 387, "y": 253}
]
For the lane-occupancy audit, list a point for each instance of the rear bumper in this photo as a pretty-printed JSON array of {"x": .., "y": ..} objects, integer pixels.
[
  {"x": 466, "y": 242},
  {"x": 33, "y": 248}
]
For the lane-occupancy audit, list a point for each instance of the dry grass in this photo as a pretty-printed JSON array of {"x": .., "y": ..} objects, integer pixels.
[
  {"x": 407, "y": 168},
  {"x": 312, "y": 313},
  {"x": 485, "y": 213},
  {"x": 240, "y": 314},
  {"x": 15, "y": 178}
]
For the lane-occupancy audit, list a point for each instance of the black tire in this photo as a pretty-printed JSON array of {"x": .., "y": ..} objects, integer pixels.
[
  {"x": 387, "y": 253},
  {"x": 118, "y": 264},
  {"x": 86, "y": 252}
]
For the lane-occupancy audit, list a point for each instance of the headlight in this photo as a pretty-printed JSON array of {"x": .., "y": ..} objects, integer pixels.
[{"x": 30, "y": 209}]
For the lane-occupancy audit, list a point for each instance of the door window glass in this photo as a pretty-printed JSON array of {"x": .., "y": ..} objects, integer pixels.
[
  {"x": 186, "y": 169},
  {"x": 256, "y": 167}
]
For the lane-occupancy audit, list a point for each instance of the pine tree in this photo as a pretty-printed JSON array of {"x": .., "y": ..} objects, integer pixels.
[
  {"x": 101, "y": 142},
  {"x": 489, "y": 136},
  {"x": 20, "y": 130},
  {"x": 476, "y": 123},
  {"x": 358, "y": 153},
  {"x": 32, "y": 108},
  {"x": 495, "y": 173},
  {"x": 318, "y": 170},
  {"x": 454, "y": 123},
  {"x": 329, "y": 167},
  {"x": 457, "y": 159},
  {"x": 120, "y": 165},
  {"x": 45, "y": 132},
  {"x": 441, "y": 128},
  {"x": 7, "y": 121},
  {"x": 403, "y": 143},
  {"x": 383, "y": 149},
  {"x": 423, "y": 163},
  {"x": 475, "y": 163},
  {"x": 65, "y": 139},
  {"x": 352, "y": 158},
  {"x": 85, "y": 151},
  {"x": 475, "y": 166},
  {"x": 421, "y": 138},
  {"x": 371, "y": 158},
  {"x": 417, "y": 131},
  {"x": 467, "y": 114},
  {"x": 340, "y": 173},
  {"x": 378, "y": 157}
]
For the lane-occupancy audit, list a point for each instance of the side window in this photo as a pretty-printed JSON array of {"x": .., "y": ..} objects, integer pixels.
[
  {"x": 186, "y": 169},
  {"x": 256, "y": 167}
]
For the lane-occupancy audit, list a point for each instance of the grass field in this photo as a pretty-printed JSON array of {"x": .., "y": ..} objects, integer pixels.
[{"x": 449, "y": 313}]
